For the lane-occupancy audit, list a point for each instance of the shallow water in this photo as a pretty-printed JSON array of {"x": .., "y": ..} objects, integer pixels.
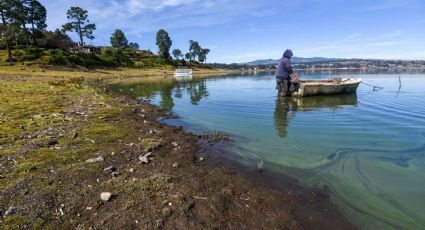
[{"x": 367, "y": 149}]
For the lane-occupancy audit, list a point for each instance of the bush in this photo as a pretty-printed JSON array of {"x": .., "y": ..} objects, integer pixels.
[
  {"x": 57, "y": 59},
  {"x": 28, "y": 54}
]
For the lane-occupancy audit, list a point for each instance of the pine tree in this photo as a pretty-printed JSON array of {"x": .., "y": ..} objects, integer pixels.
[
  {"x": 79, "y": 24},
  {"x": 163, "y": 41}
]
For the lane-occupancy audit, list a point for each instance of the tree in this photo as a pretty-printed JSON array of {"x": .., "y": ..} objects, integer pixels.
[
  {"x": 36, "y": 17},
  {"x": 194, "y": 49},
  {"x": 177, "y": 53},
  {"x": 79, "y": 24},
  {"x": 57, "y": 40},
  {"x": 187, "y": 56},
  {"x": 8, "y": 23},
  {"x": 202, "y": 57},
  {"x": 163, "y": 41},
  {"x": 134, "y": 45},
  {"x": 118, "y": 39}
]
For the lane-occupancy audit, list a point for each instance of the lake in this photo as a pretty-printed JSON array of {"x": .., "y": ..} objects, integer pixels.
[{"x": 366, "y": 149}]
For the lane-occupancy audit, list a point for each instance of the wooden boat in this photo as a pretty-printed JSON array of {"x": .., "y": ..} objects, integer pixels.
[{"x": 326, "y": 87}]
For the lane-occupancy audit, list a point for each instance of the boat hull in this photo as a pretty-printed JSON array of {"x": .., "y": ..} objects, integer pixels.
[{"x": 314, "y": 88}]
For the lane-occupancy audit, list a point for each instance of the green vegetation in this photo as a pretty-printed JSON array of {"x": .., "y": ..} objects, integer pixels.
[
  {"x": 23, "y": 34},
  {"x": 39, "y": 147}
]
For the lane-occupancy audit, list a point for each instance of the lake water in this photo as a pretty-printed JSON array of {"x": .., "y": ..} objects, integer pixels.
[{"x": 367, "y": 150}]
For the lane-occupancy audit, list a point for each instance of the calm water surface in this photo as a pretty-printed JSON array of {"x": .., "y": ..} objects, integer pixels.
[{"x": 367, "y": 149}]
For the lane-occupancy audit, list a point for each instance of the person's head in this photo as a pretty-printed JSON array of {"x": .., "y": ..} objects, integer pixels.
[{"x": 288, "y": 54}]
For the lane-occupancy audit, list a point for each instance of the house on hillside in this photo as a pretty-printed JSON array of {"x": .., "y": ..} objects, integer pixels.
[{"x": 85, "y": 49}]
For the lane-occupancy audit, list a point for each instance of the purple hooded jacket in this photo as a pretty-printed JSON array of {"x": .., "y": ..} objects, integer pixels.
[{"x": 284, "y": 68}]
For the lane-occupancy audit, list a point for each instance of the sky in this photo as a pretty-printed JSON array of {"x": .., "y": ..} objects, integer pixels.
[{"x": 242, "y": 30}]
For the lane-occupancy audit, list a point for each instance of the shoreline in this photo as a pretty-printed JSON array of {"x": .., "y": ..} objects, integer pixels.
[{"x": 49, "y": 178}]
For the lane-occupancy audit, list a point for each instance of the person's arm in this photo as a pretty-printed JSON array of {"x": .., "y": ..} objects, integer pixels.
[
  {"x": 288, "y": 68},
  {"x": 295, "y": 77}
]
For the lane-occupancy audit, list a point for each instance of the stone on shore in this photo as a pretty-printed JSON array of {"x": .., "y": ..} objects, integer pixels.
[
  {"x": 145, "y": 158},
  {"x": 94, "y": 160},
  {"x": 105, "y": 196},
  {"x": 10, "y": 211}
]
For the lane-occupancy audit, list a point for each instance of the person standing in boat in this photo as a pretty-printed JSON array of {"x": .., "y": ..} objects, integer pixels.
[{"x": 285, "y": 76}]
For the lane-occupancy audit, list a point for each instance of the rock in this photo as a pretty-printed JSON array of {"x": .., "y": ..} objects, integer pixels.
[
  {"x": 145, "y": 158},
  {"x": 10, "y": 211},
  {"x": 175, "y": 165},
  {"x": 94, "y": 160},
  {"x": 105, "y": 196},
  {"x": 201, "y": 159},
  {"x": 109, "y": 169},
  {"x": 175, "y": 144},
  {"x": 89, "y": 208},
  {"x": 131, "y": 170},
  {"x": 114, "y": 174}
]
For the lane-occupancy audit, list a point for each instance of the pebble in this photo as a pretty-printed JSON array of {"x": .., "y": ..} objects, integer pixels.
[
  {"x": 94, "y": 160},
  {"x": 114, "y": 174},
  {"x": 89, "y": 208},
  {"x": 109, "y": 169},
  {"x": 175, "y": 144},
  {"x": 105, "y": 196},
  {"x": 10, "y": 211},
  {"x": 175, "y": 165},
  {"x": 145, "y": 158},
  {"x": 131, "y": 170},
  {"x": 201, "y": 159}
]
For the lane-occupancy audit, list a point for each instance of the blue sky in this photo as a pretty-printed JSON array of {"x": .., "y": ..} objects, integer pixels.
[{"x": 241, "y": 30}]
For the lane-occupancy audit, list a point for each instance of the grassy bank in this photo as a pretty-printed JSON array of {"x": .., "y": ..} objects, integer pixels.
[{"x": 59, "y": 135}]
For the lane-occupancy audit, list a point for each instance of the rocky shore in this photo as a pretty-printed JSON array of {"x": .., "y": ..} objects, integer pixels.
[{"x": 77, "y": 156}]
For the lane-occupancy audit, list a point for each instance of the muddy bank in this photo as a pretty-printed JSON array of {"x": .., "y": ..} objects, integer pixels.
[{"x": 64, "y": 143}]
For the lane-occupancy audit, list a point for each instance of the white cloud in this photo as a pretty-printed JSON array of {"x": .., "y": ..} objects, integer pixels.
[{"x": 138, "y": 6}]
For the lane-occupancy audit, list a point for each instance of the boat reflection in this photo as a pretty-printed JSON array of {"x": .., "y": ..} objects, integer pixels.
[{"x": 286, "y": 108}]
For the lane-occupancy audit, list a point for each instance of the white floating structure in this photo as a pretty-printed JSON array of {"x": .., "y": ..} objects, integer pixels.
[{"x": 183, "y": 74}]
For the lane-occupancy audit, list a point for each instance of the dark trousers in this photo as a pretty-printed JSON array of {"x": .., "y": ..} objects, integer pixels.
[{"x": 283, "y": 87}]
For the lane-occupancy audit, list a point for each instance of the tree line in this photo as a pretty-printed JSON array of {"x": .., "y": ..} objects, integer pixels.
[{"x": 23, "y": 23}]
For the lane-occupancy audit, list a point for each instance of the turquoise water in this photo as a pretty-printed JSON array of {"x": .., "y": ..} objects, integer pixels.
[{"x": 366, "y": 149}]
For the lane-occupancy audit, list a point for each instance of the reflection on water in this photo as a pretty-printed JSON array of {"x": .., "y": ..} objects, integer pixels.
[
  {"x": 195, "y": 89},
  {"x": 286, "y": 108},
  {"x": 366, "y": 149}
]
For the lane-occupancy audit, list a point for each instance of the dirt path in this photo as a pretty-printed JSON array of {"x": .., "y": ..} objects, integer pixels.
[{"x": 63, "y": 143}]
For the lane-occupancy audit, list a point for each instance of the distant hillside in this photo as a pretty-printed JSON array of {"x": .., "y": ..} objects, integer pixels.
[{"x": 294, "y": 60}]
